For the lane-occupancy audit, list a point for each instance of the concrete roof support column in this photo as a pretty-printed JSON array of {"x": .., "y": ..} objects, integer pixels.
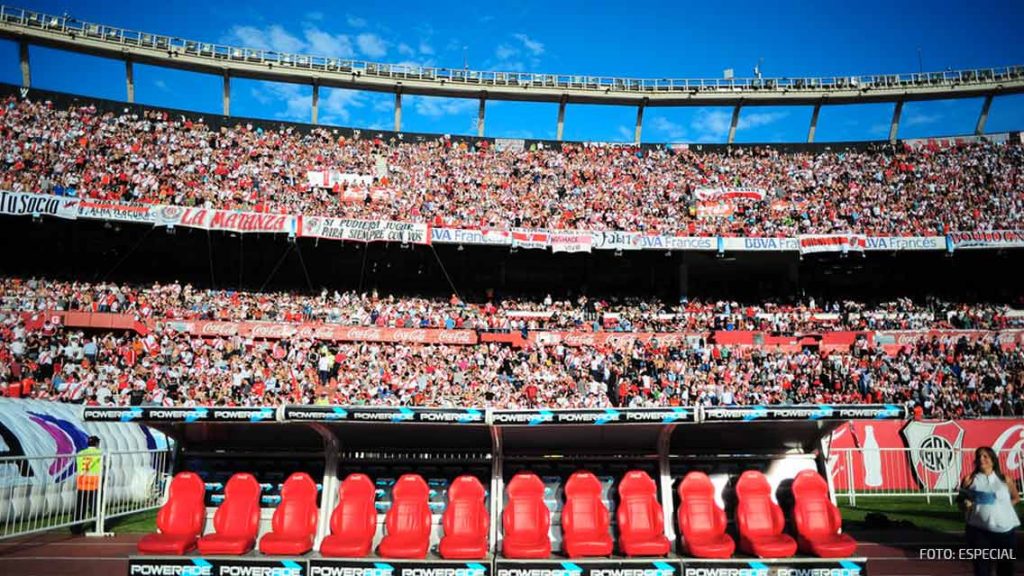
[
  {"x": 734, "y": 123},
  {"x": 129, "y": 78},
  {"x": 979, "y": 128},
  {"x": 639, "y": 121},
  {"x": 480, "y": 117},
  {"x": 316, "y": 99},
  {"x": 398, "y": 110},
  {"x": 227, "y": 94},
  {"x": 894, "y": 128},
  {"x": 26, "y": 72},
  {"x": 561, "y": 119},
  {"x": 814, "y": 123}
]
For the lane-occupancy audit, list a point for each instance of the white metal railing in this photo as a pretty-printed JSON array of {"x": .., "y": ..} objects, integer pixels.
[
  {"x": 39, "y": 493},
  {"x": 173, "y": 45},
  {"x": 902, "y": 472}
]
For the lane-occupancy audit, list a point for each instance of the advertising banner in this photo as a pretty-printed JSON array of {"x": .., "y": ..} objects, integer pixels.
[
  {"x": 365, "y": 230},
  {"x": 813, "y": 412},
  {"x": 905, "y": 243},
  {"x": 594, "y": 416},
  {"x": 215, "y": 566},
  {"x": 893, "y": 455},
  {"x": 181, "y": 414},
  {"x": 332, "y": 332},
  {"x": 384, "y": 414},
  {"x": 760, "y": 244},
  {"x": 576, "y": 339},
  {"x": 471, "y": 237},
  {"x": 395, "y": 567}
]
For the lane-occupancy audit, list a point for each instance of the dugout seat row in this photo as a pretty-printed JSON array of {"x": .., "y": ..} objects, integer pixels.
[
  {"x": 760, "y": 520},
  {"x": 586, "y": 531},
  {"x": 585, "y": 518},
  {"x": 353, "y": 522},
  {"x": 236, "y": 521},
  {"x": 526, "y": 519}
]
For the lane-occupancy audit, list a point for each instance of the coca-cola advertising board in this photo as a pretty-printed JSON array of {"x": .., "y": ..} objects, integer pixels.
[
  {"x": 879, "y": 455},
  {"x": 281, "y": 330}
]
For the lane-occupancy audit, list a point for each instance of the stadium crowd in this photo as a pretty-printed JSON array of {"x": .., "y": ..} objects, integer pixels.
[
  {"x": 175, "y": 301},
  {"x": 943, "y": 377},
  {"x": 153, "y": 157}
]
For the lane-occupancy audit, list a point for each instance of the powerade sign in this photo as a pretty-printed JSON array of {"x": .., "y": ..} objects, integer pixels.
[
  {"x": 597, "y": 417},
  {"x": 390, "y": 415},
  {"x": 803, "y": 412},
  {"x": 181, "y": 566},
  {"x": 187, "y": 415},
  {"x": 326, "y": 567},
  {"x": 785, "y": 567},
  {"x": 588, "y": 568}
]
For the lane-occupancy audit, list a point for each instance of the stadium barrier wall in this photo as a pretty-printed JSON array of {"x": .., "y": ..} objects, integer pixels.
[
  {"x": 32, "y": 500},
  {"x": 921, "y": 472},
  {"x": 38, "y": 444}
]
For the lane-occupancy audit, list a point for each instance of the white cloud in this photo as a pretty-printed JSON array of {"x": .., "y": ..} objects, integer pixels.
[
  {"x": 355, "y": 21},
  {"x": 671, "y": 130},
  {"x": 756, "y": 119},
  {"x": 371, "y": 45},
  {"x": 534, "y": 47},
  {"x": 337, "y": 107},
  {"x": 626, "y": 133},
  {"x": 426, "y": 48},
  {"x": 504, "y": 52},
  {"x": 321, "y": 43},
  {"x": 433, "y": 107},
  {"x": 405, "y": 50},
  {"x": 713, "y": 126},
  {"x": 921, "y": 119}
]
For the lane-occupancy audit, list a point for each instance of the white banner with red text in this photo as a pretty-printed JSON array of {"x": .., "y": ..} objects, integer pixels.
[
  {"x": 225, "y": 220},
  {"x": 726, "y": 193},
  {"x": 330, "y": 178},
  {"x": 991, "y": 239},
  {"x": 836, "y": 243},
  {"x": 571, "y": 242}
]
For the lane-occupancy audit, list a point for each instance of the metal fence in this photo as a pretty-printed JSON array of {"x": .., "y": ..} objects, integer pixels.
[
  {"x": 39, "y": 493},
  {"x": 907, "y": 472},
  {"x": 175, "y": 46}
]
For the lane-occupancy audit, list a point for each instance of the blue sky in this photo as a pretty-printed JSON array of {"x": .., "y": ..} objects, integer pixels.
[{"x": 650, "y": 39}]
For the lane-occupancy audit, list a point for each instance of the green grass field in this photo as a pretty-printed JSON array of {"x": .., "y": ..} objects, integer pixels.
[{"x": 938, "y": 515}]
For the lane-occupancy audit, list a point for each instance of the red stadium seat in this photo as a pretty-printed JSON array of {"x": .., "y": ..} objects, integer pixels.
[
  {"x": 354, "y": 520},
  {"x": 760, "y": 520},
  {"x": 465, "y": 521},
  {"x": 179, "y": 521},
  {"x": 526, "y": 519},
  {"x": 585, "y": 518},
  {"x": 294, "y": 524},
  {"x": 408, "y": 520},
  {"x": 237, "y": 519},
  {"x": 641, "y": 520},
  {"x": 818, "y": 522},
  {"x": 701, "y": 520}
]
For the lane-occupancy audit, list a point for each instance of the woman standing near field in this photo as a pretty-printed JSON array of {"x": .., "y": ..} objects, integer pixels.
[{"x": 988, "y": 499}]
